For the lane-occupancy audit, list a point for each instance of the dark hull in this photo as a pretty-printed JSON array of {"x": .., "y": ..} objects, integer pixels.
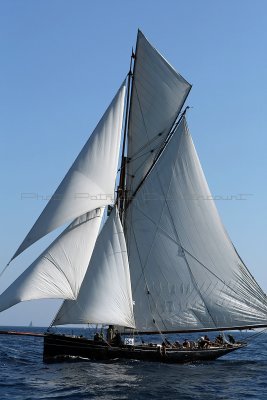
[{"x": 62, "y": 348}]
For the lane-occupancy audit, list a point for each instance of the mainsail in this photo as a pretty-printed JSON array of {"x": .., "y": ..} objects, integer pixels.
[
  {"x": 59, "y": 271},
  {"x": 105, "y": 296},
  {"x": 90, "y": 182},
  {"x": 158, "y": 94},
  {"x": 185, "y": 272}
]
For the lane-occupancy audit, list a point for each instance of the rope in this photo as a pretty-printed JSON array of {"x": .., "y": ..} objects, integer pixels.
[{"x": 255, "y": 335}]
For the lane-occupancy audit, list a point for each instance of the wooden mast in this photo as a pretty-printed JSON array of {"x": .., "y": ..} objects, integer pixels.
[{"x": 121, "y": 194}]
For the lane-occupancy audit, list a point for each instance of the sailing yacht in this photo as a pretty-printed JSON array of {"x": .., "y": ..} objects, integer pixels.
[{"x": 163, "y": 262}]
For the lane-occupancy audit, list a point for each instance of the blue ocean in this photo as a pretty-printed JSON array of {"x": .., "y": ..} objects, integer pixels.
[{"x": 241, "y": 375}]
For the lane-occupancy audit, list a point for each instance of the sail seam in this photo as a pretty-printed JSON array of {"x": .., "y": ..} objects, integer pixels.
[{"x": 53, "y": 261}]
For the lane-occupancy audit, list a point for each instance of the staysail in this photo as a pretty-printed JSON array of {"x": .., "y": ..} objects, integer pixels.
[
  {"x": 158, "y": 94},
  {"x": 59, "y": 271},
  {"x": 185, "y": 272},
  {"x": 90, "y": 182},
  {"x": 105, "y": 296}
]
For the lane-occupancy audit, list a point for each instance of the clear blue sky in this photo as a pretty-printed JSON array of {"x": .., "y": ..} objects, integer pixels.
[{"x": 63, "y": 60}]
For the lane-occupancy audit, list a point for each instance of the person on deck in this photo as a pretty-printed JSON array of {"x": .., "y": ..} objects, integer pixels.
[
  {"x": 97, "y": 337},
  {"x": 204, "y": 342},
  {"x": 231, "y": 339},
  {"x": 186, "y": 344},
  {"x": 110, "y": 333},
  {"x": 219, "y": 340},
  {"x": 163, "y": 348},
  {"x": 116, "y": 341}
]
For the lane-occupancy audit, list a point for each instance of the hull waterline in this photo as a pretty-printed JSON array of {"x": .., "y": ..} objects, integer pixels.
[{"x": 59, "y": 348}]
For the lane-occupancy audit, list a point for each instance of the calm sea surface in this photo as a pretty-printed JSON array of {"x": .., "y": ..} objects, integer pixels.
[{"x": 242, "y": 375}]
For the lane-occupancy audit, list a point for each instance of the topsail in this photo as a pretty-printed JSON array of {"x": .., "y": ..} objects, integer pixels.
[{"x": 158, "y": 94}]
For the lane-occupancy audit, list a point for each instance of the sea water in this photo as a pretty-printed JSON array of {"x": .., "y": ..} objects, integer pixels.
[{"x": 240, "y": 375}]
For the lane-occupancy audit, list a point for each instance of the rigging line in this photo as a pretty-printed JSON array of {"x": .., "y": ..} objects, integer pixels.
[
  {"x": 225, "y": 284},
  {"x": 248, "y": 271},
  {"x": 159, "y": 221},
  {"x": 5, "y": 268},
  {"x": 188, "y": 208},
  {"x": 174, "y": 227},
  {"x": 149, "y": 141},
  {"x": 183, "y": 248},
  {"x": 174, "y": 124},
  {"x": 155, "y": 137},
  {"x": 171, "y": 133},
  {"x": 155, "y": 234},
  {"x": 130, "y": 160},
  {"x": 204, "y": 266},
  {"x": 199, "y": 291},
  {"x": 186, "y": 261},
  {"x": 190, "y": 254},
  {"x": 210, "y": 271},
  {"x": 226, "y": 234},
  {"x": 121, "y": 187},
  {"x": 141, "y": 155},
  {"x": 255, "y": 334},
  {"x": 147, "y": 287},
  {"x": 141, "y": 111}
]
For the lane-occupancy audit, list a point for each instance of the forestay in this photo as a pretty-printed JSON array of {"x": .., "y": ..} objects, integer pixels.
[
  {"x": 105, "y": 296},
  {"x": 185, "y": 272},
  {"x": 58, "y": 272},
  {"x": 90, "y": 182},
  {"x": 158, "y": 94}
]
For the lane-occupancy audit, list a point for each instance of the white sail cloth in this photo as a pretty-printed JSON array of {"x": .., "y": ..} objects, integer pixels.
[
  {"x": 158, "y": 94},
  {"x": 90, "y": 182},
  {"x": 60, "y": 269},
  {"x": 185, "y": 272},
  {"x": 105, "y": 296}
]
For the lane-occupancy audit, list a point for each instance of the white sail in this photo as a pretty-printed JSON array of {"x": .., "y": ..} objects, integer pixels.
[
  {"x": 185, "y": 272},
  {"x": 60, "y": 269},
  {"x": 105, "y": 296},
  {"x": 158, "y": 94},
  {"x": 90, "y": 182}
]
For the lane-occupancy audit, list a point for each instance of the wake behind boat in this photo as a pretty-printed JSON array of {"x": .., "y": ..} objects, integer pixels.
[{"x": 163, "y": 262}]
